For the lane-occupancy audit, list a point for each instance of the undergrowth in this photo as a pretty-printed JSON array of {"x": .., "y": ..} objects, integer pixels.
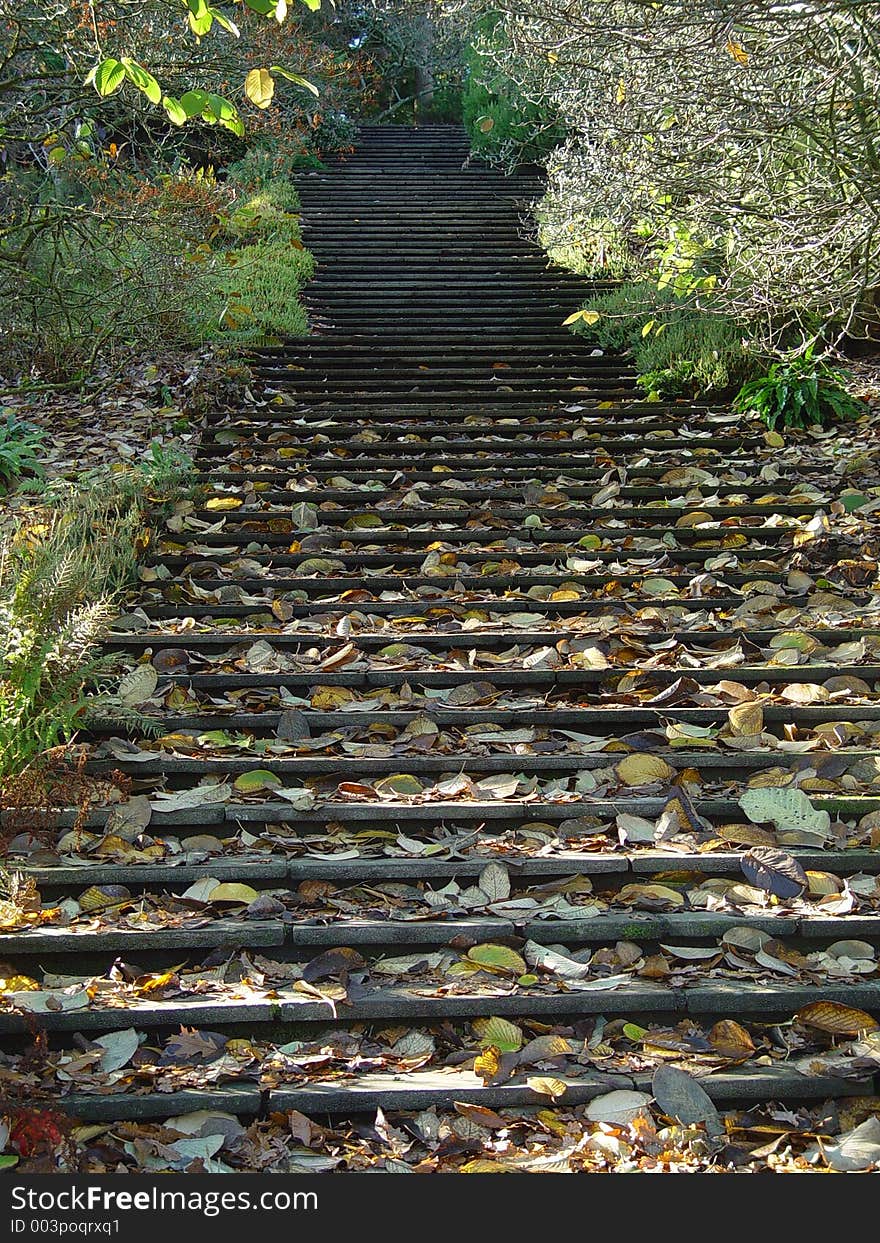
[
  {"x": 799, "y": 393},
  {"x": 256, "y": 279},
  {"x": 677, "y": 349},
  {"x": 63, "y": 567}
]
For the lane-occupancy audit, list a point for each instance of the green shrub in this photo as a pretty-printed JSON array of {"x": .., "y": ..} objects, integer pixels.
[
  {"x": 170, "y": 263},
  {"x": 677, "y": 349},
  {"x": 800, "y": 392},
  {"x": 256, "y": 300},
  {"x": 502, "y": 123},
  {"x": 584, "y": 244},
  {"x": 254, "y": 286},
  {"x": 20, "y": 446},
  {"x": 268, "y": 160}
]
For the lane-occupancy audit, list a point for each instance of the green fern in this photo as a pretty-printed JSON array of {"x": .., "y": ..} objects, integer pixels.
[
  {"x": 800, "y": 392},
  {"x": 62, "y": 571}
]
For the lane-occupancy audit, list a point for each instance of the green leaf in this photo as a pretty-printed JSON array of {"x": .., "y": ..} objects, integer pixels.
[
  {"x": 499, "y": 1032},
  {"x": 144, "y": 81},
  {"x": 218, "y": 110},
  {"x": 225, "y": 22},
  {"x": 201, "y": 18},
  {"x": 786, "y": 808},
  {"x": 314, "y": 5},
  {"x": 263, "y": 7},
  {"x": 295, "y": 77},
  {"x": 632, "y": 1031},
  {"x": 194, "y": 103},
  {"x": 256, "y": 779},
  {"x": 259, "y": 86},
  {"x": 108, "y": 76},
  {"x": 497, "y": 958},
  {"x": 8, "y": 1161},
  {"x": 174, "y": 110}
]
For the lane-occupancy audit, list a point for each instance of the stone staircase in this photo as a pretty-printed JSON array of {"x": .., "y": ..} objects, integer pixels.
[{"x": 446, "y": 662}]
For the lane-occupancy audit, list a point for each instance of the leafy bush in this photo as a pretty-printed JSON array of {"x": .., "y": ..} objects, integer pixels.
[
  {"x": 160, "y": 258},
  {"x": 692, "y": 131},
  {"x": 49, "y": 631},
  {"x": 20, "y": 446},
  {"x": 111, "y": 268},
  {"x": 502, "y": 122},
  {"x": 677, "y": 348},
  {"x": 254, "y": 286},
  {"x": 61, "y": 570},
  {"x": 584, "y": 244},
  {"x": 269, "y": 159},
  {"x": 800, "y": 392}
]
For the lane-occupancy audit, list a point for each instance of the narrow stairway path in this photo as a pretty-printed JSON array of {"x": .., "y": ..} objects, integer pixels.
[{"x": 497, "y": 710}]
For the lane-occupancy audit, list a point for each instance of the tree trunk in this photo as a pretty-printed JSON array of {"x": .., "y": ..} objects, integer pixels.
[{"x": 424, "y": 66}]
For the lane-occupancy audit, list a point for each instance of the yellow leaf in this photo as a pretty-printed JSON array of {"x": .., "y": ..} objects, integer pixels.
[
  {"x": 488, "y": 1064},
  {"x": 498, "y": 958},
  {"x": 739, "y": 54},
  {"x": 325, "y": 698},
  {"x": 620, "y": 96},
  {"x": 640, "y": 769},
  {"x": 146, "y": 985},
  {"x": 233, "y": 893},
  {"x": 259, "y": 86},
  {"x": 224, "y": 502},
  {"x": 822, "y": 884},
  {"x": 547, "y": 1086},
  {"x": 746, "y": 719},
  {"x": 18, "y": 984}
]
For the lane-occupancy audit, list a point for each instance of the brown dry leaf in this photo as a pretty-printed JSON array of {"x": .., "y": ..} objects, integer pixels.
[
  {"x": 730, "y": 1039},
  {"x": 481, "y": 1115},
  {"x": 836, "y": 1018}
]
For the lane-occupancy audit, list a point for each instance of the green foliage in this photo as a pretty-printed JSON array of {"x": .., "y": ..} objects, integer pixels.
[
  {"x": 255, "y": 285},
  {"x": 20, "y": 446},
  {"x": 269, "y": 159},
  {"x": 733, "y": 147},
  {"x": 109, "y": 269},
  {"x": 502, "y": 122},
  {"x": 168, "y": 258},
  {"x": 62, "y": 568},
  {"x": 678, "y": 349},
  {"x": 800, "y": 392},
  {"x": 583, "y": 244}
]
